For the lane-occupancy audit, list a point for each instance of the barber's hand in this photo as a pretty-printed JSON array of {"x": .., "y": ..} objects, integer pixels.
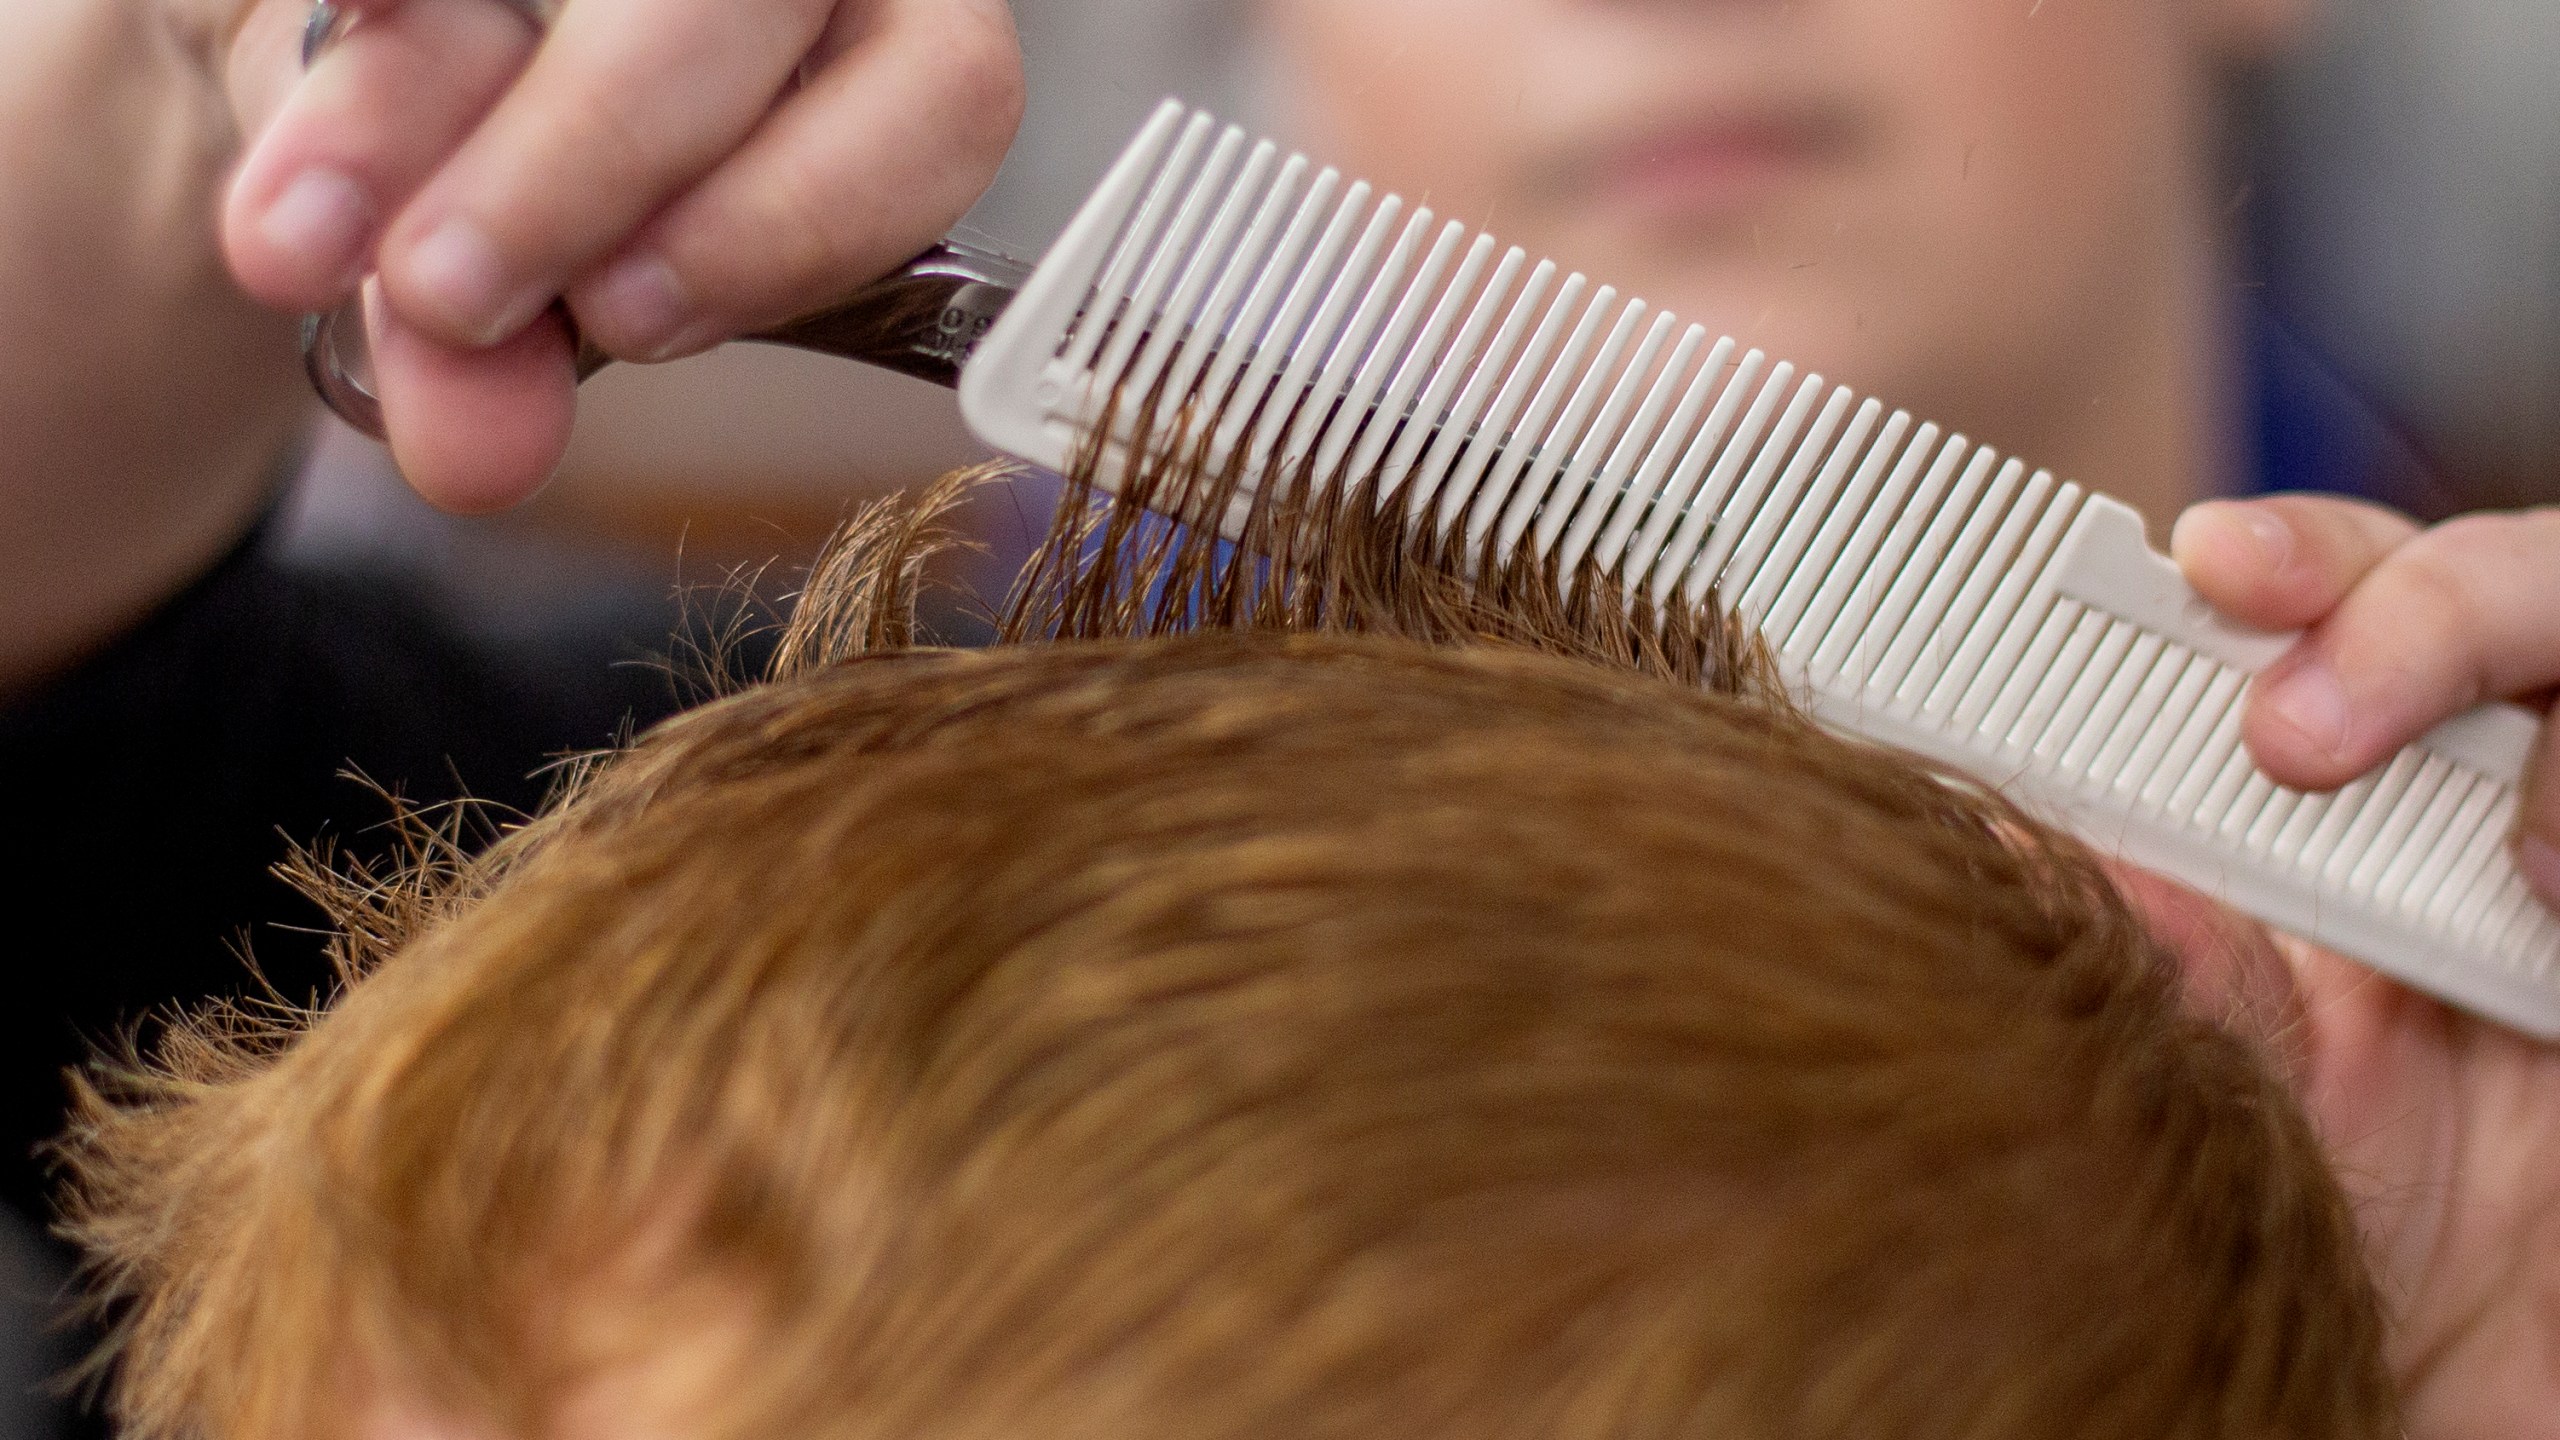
[
  {"x": 2409, "y": 627},
  {"x": 2446, "y": 1128},
  {"x": 681, "y": 170},
  {"x": 2445, "y": 1131}
]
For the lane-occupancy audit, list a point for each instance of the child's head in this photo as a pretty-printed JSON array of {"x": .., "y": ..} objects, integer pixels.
[
  {"x": 2000, "y": 213},
  {"x": 1238, "y": 1037}
]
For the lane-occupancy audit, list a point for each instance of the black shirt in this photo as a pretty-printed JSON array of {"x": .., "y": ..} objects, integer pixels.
[{"x": 146, "y": 796}]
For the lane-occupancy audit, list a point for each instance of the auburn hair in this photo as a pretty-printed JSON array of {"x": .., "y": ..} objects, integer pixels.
[{"x": 1242, "y": 1035}]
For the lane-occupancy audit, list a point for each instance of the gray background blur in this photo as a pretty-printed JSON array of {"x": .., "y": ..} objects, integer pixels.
[
  {"x": 2404, "y": 201},
  {"x": 2410, "y": 186}
]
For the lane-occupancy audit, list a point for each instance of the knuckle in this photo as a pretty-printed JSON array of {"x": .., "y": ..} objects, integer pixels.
[
  {"x": 544, "y": 224},
  {"x": 2537, "y": 531},
  {"x": 799, "y": 238},
  {"x": 2351, "y": 535},
  {"x": 612, "y": 142},
  {"x": 810, "y": 211},
  {"x": 750, "y": 256},
  {"x": 2470, "y": 552},
  {"x": 2432, "y": 598},
  {"x": 2435, "y": 587},
  {"x": 982, "y": 76},
  {"x": 2481, "y": 531}
]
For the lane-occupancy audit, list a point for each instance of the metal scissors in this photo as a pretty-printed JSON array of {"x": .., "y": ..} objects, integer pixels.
[{"x": 923, "y": 319}]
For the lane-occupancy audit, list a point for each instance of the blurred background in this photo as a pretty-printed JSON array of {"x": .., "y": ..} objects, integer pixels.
[{"x": 2400, "y": 204}]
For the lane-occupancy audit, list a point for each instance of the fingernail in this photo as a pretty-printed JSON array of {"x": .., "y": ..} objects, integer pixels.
[
  {"x": 321, "y": 217},
  {"x": 2272, "y": 536},
  {"x": 2311, "y": 700},
  {"x": 641, "y": 305},
  {"x": 2539, "y": 859},
  {"x": 461, "y": 274}
]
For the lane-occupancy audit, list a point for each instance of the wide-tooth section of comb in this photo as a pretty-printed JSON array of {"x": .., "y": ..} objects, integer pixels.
[{"x": 1917, "y": 588}]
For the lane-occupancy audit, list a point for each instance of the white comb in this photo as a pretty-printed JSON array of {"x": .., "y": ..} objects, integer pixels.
[{"x": 1919, "y": 589}]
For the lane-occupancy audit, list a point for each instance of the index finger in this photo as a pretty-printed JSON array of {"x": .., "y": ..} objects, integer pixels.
[{"x": 623, "y": 107}]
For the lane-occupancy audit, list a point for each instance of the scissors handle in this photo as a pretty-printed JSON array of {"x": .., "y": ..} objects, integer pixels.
[{"x": 924, "y": 319}]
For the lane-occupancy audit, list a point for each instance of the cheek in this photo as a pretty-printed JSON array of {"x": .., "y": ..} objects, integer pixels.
[
  {"x": 2071, "y": 116},
  {"x": 1419, "y": 96},
  {"x": 2063, "y": 76}
]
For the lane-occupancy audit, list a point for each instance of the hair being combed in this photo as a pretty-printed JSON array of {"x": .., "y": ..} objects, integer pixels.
[
  {"x": 1188, "y": 541},
  {"x": 1302, "y": 989}
]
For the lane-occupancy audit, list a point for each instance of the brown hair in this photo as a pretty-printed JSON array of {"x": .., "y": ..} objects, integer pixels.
[{"x": 1239, "y": 1036}]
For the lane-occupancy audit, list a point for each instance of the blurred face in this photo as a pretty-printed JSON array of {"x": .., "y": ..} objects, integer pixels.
[{"x": 1973, "y": 208}]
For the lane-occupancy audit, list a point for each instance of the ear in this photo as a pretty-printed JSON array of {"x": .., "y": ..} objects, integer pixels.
[{"x": 2257, "y": 30}]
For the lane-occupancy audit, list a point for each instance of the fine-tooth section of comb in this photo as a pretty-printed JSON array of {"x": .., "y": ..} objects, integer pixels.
[{"x": 1917, "y": 588}]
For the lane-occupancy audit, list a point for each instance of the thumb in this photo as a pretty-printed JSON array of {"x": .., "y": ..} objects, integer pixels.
[{"x": 474, "y": 430}]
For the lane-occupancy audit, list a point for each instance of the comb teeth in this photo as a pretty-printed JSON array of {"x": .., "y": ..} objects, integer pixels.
[{"x": 1920, "y": 589}]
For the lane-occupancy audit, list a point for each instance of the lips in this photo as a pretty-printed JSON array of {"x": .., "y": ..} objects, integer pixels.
[{"x": 1717, "y": 168}]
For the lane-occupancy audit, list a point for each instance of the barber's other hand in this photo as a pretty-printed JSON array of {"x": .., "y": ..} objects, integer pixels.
[
  {"x": 680, "y": 170},
  {"x": 2409, "y": 626},
  {"x": 2444, "y": 1127},
  {"x": 2445, "y": 1131}
]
